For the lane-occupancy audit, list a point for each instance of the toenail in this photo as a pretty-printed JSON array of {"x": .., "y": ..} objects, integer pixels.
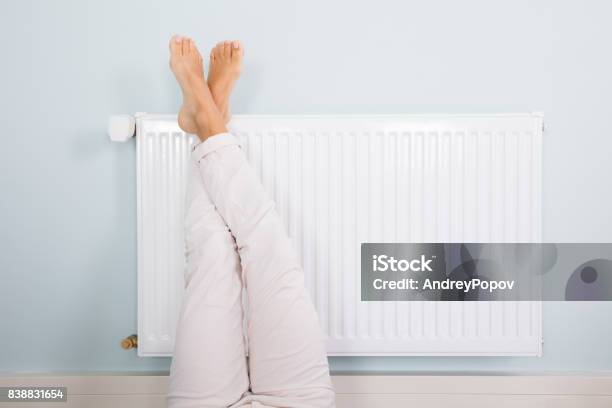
[{"x": 236, "y": 45}]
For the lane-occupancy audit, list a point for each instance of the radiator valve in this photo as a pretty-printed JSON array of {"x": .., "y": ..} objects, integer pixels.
[{"x": 121, "y": 127}]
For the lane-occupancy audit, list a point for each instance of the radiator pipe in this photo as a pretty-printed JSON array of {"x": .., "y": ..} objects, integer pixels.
[{"x": 130, "y": 342}]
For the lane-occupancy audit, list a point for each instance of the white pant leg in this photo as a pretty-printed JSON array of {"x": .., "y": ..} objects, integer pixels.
[
  {"x": 287, "y": 360},
  {"x": 209, "y": 365}
]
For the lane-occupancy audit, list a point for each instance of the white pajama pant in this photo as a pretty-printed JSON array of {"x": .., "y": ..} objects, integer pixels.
[{"x": 235, "y": 238}]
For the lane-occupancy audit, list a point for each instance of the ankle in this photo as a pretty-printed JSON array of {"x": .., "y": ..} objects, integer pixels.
[{"x": 209, "y": 123}]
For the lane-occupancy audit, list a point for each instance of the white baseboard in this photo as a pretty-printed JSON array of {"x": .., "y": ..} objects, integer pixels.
[{"x": 353, "y": 391}]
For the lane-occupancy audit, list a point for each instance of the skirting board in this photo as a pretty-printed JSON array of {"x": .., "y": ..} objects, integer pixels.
[{"x": 354, "y": 391}]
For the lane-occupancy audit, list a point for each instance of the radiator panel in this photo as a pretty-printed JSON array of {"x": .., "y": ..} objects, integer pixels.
[{"x": 342, "y": 180}]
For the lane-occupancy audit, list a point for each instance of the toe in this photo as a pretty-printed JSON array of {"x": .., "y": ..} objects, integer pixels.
[
  {"x": 185, "y": 46},
  {"x": 175, "y": 44},
  {"x": 236, "y": 49},
  {"x": 227, "y": 49},
  {"x": 218, "y": 50}
]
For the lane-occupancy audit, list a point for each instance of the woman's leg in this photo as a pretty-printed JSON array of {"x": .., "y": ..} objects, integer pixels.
[
  {"x": 287, "y": 360},
  {"x": 209, "y": 366}
]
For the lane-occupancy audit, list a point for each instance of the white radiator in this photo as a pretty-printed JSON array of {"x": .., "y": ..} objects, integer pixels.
[{"x": 339, "y": 181}]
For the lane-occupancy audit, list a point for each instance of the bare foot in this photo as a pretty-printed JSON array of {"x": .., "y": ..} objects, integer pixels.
[
  {"x": 225, "y": 68},
  {"x": 186, "y": 64},
  {"x": 198, "y": 114}
]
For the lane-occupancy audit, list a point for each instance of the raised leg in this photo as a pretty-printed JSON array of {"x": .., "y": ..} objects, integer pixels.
[
  {"x": 287, "y": 360},
  {"x": 209, "y": 367}
]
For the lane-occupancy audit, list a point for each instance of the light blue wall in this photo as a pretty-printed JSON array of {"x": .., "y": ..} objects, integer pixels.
[{"x": 67, "y": 223}]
